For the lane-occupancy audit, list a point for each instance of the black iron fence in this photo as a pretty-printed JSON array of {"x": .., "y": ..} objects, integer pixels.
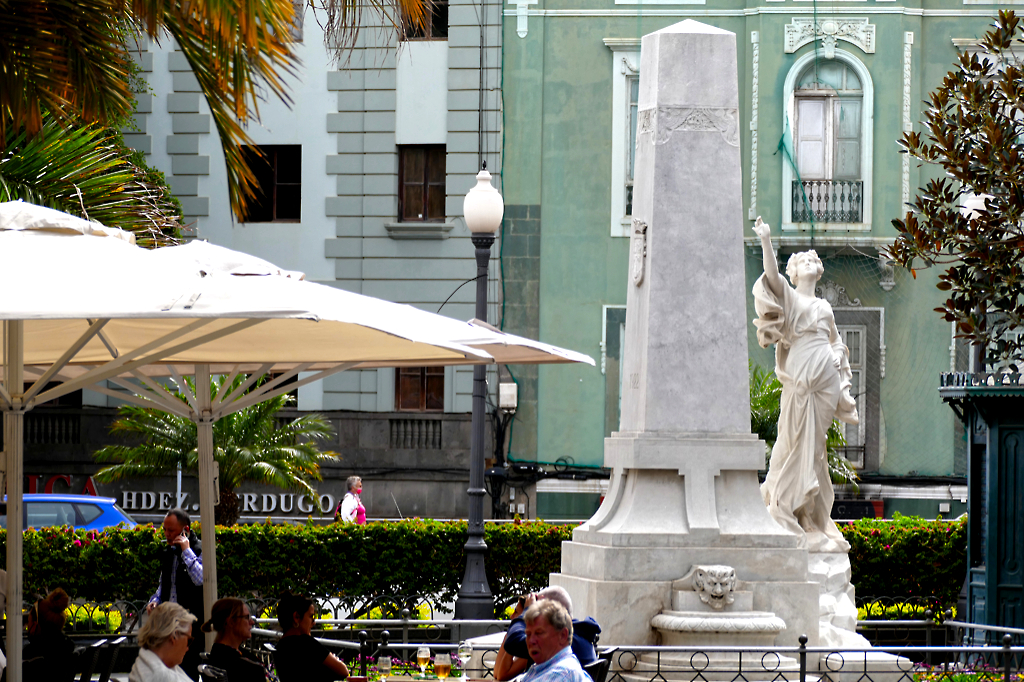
[{"x": 911, "y": 645}]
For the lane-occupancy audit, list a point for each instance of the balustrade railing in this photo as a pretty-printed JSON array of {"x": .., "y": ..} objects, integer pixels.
[
  {"x": 828, "y": 201},
  {"x": 419, "y": 434}
]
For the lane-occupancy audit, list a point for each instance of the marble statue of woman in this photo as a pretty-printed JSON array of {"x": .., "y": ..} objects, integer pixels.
[{"x": 813, "y": 365}]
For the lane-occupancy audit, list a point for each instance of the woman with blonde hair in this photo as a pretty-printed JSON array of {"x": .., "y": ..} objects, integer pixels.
[
  {"x": 163, "y": 641},
  {"x": 232, "y": 621}
]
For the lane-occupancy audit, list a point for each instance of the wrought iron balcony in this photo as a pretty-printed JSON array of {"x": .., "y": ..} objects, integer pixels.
[{"x": 828, "y": 201}]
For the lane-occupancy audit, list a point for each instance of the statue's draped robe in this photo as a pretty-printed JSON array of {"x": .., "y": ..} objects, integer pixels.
[{"x": 798, "y": 489}]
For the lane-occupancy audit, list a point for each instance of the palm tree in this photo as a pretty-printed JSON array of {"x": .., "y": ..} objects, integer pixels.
[
  {"x": 250, "y": 445},
  {"x": 70, "y": 59},
  {"x": 765, "y": 407}
]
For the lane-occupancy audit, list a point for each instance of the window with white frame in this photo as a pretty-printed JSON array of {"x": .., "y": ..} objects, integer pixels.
[
  {"x": 625, "y": 93},
  {"x": 827, "y": 175}
]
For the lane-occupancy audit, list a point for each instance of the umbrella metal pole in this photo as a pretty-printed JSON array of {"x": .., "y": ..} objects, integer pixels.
[
  {"x": 475, "y": 601},
  {"x": 14, "y": 428},
  {"x": 207, "y": 494}
]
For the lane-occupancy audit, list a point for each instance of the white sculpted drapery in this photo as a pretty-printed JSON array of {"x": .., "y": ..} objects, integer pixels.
[{"x": 813, "y": 365}]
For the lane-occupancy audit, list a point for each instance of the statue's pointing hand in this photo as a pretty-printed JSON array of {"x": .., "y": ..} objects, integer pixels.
[{"x": 762, "y": 229}]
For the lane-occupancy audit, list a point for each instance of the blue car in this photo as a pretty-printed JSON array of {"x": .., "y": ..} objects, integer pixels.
[{"x": 81, "y": 511}]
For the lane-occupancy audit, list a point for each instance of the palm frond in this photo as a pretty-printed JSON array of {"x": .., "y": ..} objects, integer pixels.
[
  {"x": 86, "y": 171},
  {"x": 238, "y": 52},
  {"x": 64, "y": 57}
]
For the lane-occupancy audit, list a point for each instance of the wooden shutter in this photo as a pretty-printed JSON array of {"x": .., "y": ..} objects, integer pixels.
[
  {"x": 810, "y": 138},
  {"x": 847, "y": 127}
]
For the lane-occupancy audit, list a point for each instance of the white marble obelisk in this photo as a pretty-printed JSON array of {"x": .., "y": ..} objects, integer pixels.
[{"x": 684, "y": 488}]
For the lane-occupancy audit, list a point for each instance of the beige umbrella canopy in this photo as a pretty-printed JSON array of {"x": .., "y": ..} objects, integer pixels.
[{"x": 82, "y": 306}]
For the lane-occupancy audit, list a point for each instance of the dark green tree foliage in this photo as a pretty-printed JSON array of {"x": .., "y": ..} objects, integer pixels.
[{"x": 974, "y": 134}]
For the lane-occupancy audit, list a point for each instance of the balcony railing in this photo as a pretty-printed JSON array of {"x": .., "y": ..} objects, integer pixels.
[
  {"x": 419, "y": 434},
  {"x": 828, "y": 201}
]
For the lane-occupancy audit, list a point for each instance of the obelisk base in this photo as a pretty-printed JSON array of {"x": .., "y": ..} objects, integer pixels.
[{"x": 677, "y": 500}]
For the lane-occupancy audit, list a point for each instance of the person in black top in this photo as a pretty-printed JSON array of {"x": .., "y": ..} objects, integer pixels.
[
  {"x": 232, "y": 621},
  {"x": 299, "y": 657},
  {"x": 49, "y": 654}
]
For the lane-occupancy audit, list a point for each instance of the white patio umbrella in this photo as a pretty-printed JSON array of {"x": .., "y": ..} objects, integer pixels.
[{"x": 81, "y": 305}]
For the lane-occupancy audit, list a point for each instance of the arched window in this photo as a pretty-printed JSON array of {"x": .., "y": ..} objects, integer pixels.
[{"x": 829, "y": 108}]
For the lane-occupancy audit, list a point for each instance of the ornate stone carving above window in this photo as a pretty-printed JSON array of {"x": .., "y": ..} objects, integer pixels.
[
  {"x": 834, "y": 294},
  {"x": 801, "y": 31}
]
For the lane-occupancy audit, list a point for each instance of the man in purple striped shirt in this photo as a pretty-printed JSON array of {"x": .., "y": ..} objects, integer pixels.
[{"x": 181, "y": 579}]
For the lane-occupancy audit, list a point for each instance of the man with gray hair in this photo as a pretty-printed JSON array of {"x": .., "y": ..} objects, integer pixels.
[
  {"x": 514, "y": 655},
  {"x": 548, "y": 634}
]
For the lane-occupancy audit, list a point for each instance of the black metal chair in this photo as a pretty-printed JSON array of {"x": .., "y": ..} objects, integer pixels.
[
  {"x": 88, "y": 659},
  {"x": 108, "y": 658},
  {"x": 598, "y": 670},
  {"x": 209, "y": 673}
]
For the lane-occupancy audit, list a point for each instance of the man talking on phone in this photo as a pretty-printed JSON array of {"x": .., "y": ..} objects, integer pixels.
[{"x": 181, "y": 579}]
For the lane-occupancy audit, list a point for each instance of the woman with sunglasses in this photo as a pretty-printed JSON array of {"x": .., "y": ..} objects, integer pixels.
[
  {"x": 233, "y": 622},
  {"x": 163, "y": 641}
]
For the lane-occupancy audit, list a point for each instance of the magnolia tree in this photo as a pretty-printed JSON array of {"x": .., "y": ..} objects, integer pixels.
[{"x": 969, "y": 220}]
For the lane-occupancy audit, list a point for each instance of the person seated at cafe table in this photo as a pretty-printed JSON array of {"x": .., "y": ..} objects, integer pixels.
[
  {"x": 514, "y": 657},
  {"x": 233, "y": 622},
  {"x": 49, "y": 653},
  {"x": 299, "y": 657},
  {"x": 548, "y": 638}
]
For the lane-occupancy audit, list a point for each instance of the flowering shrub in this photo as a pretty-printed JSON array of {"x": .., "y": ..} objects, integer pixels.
[
  {"x": 908, "y": 556},
  {"x": 905, "y": 557},
  {"x": 969, "y": 674},
  {"x": 900, "y": 611},
  {"x": 415, "y": 556},
  {"x": 93, "y": 618}
]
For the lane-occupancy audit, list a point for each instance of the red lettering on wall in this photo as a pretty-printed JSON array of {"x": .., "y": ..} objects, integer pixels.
[
  {"x": 89, "y": 488},
  {"x": 33, "y": 482},
  {"x": 53, "y": 479}
]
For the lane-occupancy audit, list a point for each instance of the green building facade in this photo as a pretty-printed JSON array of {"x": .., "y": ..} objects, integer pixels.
[{"x": 825, "y": 90}]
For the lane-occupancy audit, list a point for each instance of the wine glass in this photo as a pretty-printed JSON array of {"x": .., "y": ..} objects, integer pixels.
[
  {"x": 422, "y": 658},
  {"x": 442, "y": 666},
  {"x": 465, "y": 654},
  {"x": 384, "y": 668}
]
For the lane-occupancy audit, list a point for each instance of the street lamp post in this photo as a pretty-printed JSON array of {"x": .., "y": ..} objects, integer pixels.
[{"x": 483, "y": 209}]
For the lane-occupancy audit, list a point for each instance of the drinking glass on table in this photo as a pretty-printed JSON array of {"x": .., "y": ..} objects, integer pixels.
[
  {"x": 422, "y": 659},
  {"x": 384, "y": 668},
  {"x": 442, "y": 665},
  {"x": 465, "y": 654}
]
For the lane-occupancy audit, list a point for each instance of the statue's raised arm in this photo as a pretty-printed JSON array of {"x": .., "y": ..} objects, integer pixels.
[{"x": 772, "y": 279}]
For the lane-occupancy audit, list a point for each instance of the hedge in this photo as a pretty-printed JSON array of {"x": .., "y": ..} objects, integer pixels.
[
  {"x": 908, "y": 556},
  {"x": 425, "y": 557}
]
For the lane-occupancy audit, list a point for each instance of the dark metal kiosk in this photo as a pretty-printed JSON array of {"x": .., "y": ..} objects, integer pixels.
[{"x": 991, "y": 406}]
